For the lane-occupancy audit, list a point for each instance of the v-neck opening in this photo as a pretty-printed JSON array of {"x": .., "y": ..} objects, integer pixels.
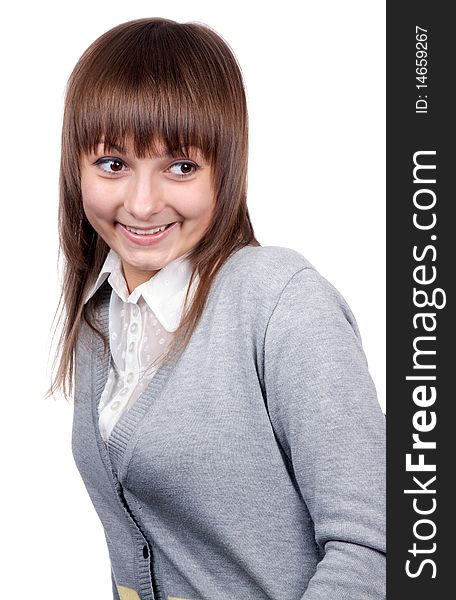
[{"x": 117, "y": 443}]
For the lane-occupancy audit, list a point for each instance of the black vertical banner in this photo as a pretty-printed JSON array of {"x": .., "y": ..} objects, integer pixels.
[{"x": 421, "y": 272}]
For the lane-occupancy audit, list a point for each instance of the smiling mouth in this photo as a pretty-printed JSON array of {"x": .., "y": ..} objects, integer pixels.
[{"x": 149, "y": 231}]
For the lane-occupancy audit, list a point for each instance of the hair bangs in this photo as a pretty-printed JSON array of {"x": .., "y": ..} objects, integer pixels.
[{"x": 166, "y": 109}]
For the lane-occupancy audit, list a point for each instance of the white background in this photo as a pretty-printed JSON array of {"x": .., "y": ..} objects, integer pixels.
[{"x": 315, "y": 75}]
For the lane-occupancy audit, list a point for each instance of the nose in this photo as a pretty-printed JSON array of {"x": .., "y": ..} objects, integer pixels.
[{"x": 143, "y": 197}]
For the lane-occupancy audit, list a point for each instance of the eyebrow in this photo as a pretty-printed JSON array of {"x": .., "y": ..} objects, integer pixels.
[
  {"x": 120, "y": 149},
  {"x": 123, "y": 150}
]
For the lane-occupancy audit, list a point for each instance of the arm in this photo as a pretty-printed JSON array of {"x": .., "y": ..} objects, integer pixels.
[
  {"x": 115, "y": 593},
  {"x": 323, "y": 406}
]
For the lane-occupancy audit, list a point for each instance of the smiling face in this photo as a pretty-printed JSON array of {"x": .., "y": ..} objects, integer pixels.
[{"x": 121, "y": 191}]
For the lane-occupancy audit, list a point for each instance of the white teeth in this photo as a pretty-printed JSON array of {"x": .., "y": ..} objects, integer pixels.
[{"x": 147, "y": 232}]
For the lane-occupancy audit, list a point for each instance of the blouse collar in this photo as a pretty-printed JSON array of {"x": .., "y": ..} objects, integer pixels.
[{"x": 164, "y": 292}]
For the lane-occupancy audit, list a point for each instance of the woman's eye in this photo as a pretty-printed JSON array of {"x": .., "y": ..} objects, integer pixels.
[
  {"x": 113, "y": 166},
  {"x": 110, "y": 165},
  {"x": 183, "y": 168}
]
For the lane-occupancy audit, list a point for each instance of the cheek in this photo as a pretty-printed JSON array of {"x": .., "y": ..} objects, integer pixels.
[
  {"x": 93, "y": 200},
  {"x": 87, "y": 196},
  {"x": 199, "y": 205}
]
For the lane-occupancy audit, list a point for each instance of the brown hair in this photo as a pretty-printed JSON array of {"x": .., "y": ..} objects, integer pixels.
[{"x": 156, "y": 82}]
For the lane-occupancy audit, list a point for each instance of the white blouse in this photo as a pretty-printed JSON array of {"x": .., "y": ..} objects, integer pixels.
[{"x": 141, "y": 325}]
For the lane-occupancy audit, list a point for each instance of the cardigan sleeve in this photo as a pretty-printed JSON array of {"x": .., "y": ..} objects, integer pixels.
[
  {"x": 115, "y": 592},
  {"x": 325, "y": 412}
]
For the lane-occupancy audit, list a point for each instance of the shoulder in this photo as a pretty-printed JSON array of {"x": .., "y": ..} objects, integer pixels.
[
  {"x": 270, "y": 255},
  {"x": 276, "y": 270},
  {"x": 287, "y": 286},
  {"x": 268, "y": 267},
  {"x": 267, "y": 280}
]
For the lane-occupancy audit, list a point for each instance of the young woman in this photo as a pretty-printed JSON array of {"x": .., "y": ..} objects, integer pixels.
[{"x": 225, "y": 423}]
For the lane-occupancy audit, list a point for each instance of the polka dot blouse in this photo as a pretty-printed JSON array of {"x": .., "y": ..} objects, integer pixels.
[{"x": 141, "y": 325}]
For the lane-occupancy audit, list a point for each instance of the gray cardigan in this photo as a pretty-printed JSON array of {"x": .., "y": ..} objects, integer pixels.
[{"x": 253, "y": 466}]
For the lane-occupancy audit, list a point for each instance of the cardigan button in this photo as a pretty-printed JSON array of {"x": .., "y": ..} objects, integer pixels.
[{"x": 145, "y": 552}]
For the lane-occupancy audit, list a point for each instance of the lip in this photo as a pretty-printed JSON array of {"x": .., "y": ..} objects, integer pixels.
[
  {"x": 146, "y": 240},
  {"x": 146, "y": 228}
]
